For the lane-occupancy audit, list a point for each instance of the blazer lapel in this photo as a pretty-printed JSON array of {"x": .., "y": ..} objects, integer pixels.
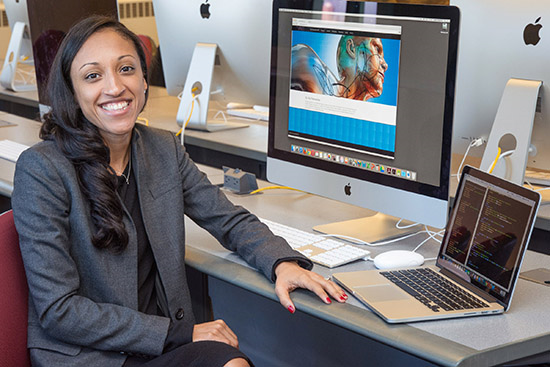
[{"x": 160, "y": 196}]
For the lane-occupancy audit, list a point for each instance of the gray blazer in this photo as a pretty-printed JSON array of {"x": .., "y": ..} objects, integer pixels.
[{"x": 83, "y": 301}]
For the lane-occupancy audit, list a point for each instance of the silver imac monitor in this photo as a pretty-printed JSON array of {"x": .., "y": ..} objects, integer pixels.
[
  {"x": 18, "y": 69},
  {"x": 230, "y": 42},
  {"x": 499, "y": 40},
  {"x": 361, "y": 104}
]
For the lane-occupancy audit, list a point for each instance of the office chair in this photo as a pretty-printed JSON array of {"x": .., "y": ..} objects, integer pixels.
[
  {"x": 13, "y": 297},
  {"x": 149, "y": 47}
]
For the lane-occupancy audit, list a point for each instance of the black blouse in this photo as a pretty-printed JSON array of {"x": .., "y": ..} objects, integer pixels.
[{"x": 147, "y": 268}]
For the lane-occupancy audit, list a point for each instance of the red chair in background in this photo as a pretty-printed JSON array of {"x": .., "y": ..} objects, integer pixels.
[
  {"x": 149, "y": 47},
  {"x": 13, "y": 298}
]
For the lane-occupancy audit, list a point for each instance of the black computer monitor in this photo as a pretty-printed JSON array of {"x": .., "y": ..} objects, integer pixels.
[
  {"x": 47, "y": 31},
  {"x": 361, "y": 104}
]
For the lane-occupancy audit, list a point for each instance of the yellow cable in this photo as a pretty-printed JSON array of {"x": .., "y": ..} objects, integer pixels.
[
  {"x": 190, "y": 113},
  {"x": 144, "y": 120},
  {"x": 273, "y": 188},
  {"x": 495, "y": 161}
]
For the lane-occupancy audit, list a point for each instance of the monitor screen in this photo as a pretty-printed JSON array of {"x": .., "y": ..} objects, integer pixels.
[
  {"x": 361, "y": 104},
  {"x": 514, "y": 42},
  {"x": 490, "y": 228},
  {"x": 47, "y": 32},
  {"x": 240, "y": 28}
]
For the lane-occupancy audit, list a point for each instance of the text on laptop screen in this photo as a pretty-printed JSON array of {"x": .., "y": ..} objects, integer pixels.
[{"x": 484, "y": 243}]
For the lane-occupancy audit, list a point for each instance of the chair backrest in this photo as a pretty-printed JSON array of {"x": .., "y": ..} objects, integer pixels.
[
  {"x": 13, "y": 297},
  {"x": 149, "y": 47}
]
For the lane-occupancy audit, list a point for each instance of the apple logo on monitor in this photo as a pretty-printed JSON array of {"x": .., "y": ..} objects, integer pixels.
[
  {"x": 531, "y": 33},
  {"x": 205, "y": 10},
  {"x": 347, "y": 189}
]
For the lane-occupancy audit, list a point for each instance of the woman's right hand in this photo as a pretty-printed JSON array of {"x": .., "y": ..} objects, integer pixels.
[{"x": 215, "y": 330}]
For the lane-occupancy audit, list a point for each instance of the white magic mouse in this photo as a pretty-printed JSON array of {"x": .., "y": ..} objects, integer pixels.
[{"x": 398, "y": 259}]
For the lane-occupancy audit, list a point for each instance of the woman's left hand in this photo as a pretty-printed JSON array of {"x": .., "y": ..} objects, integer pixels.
[{"x": 291, "y": 276}]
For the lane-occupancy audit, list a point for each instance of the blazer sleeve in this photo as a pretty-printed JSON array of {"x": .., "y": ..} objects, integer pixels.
[
  {"x": 233, "y": 226},
  {"x": 44, "y": 211}
]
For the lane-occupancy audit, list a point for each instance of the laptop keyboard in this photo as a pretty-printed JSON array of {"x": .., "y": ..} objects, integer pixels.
[{"x": 433, "y": 290}]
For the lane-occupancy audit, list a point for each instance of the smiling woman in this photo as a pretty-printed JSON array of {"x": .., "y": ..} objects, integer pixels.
[
  {"x": 96, "y": 143},
  {"x": 99, "y": 206}
]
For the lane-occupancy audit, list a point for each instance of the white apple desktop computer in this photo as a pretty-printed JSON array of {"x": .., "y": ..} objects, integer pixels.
[
  {"x": 390, "y": 153},
  {"x": 500, "y": 40},
  {"x": 215, "y": 53},
  {"x": 18, "y": 70}
]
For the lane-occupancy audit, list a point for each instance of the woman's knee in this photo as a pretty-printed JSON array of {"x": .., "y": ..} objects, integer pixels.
[{"x": 237, "y": 362}]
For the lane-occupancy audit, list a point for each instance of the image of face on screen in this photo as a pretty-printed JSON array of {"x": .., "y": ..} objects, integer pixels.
[
  {"x": 361, "y": 67},
  {"x": 360, "y": 63}
]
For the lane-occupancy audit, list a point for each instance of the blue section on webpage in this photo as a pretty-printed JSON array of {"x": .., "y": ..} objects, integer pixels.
[{"x": 344, "y": 129}]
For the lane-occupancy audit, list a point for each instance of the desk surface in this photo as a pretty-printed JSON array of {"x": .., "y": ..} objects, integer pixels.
[
  {"x": 23, "y": 131},
  {"x": 475, "y": 341},
  {"x": 29, "y": 98}
]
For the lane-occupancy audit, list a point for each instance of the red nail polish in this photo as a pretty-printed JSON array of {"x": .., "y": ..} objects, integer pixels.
[
  {"x": 344, "y": 296},
  {"x": 328, "y": 300},
  {"x": 291, "y": 309}
]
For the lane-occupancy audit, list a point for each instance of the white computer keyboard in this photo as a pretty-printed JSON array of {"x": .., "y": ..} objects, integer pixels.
[
  {"x": 11, "y": 150},
  {"x": 249, "y": 113},
  {"x": 319, "y": 249}
]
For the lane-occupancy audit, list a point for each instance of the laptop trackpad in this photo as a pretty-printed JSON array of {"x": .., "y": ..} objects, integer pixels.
[{"x": 381, "y": 293}]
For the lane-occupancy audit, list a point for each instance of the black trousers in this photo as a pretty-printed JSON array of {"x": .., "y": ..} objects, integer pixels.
[{"x": 197, "y": 354}]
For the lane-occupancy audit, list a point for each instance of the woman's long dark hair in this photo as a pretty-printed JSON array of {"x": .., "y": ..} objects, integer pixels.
[{"x": 79, "y": 139}]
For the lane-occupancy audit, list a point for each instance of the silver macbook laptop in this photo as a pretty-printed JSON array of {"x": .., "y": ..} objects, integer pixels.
[{"x": 478, "y": 263}]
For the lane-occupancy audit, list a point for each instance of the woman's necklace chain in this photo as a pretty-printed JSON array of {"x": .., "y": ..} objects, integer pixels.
[{"x": 127, "y": 177}]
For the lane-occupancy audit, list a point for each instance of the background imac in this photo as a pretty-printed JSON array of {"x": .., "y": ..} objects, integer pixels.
[
  {"x": 492, "y": 49},
  {"x": 47, "y": 32},
  {"x": 18, "y": 71},
  {"x": 385, "y": 148},
  {"x": 242, "y": 31},
  {"x": 16, "y": 11}
]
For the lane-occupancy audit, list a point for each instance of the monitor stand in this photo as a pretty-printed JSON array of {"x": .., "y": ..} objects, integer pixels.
[
  {"x": 512, "y": 129},
  {"x": 374, "y": 230},
  {"x": 19, "y": 42},
  {"x": 195, "y": 99}
]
